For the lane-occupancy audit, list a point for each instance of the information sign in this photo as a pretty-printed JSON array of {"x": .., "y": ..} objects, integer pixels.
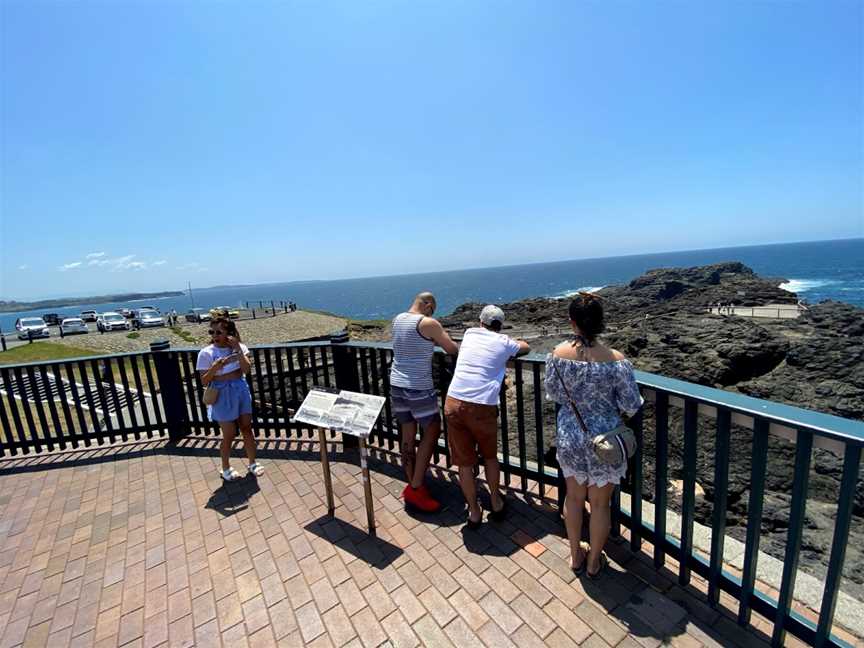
[{"x": 347, "y": 412}]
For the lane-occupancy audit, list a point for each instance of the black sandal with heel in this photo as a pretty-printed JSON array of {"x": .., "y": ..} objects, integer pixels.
[{"x": 604, "y": 563}]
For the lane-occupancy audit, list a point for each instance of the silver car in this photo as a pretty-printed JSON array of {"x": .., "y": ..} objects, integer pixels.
[
  {"x": 31, "y": 327},
  {"x": 112, "y": 322},
  {"x": 149, "y": 318},
  {"x": 72, "y": 325}
]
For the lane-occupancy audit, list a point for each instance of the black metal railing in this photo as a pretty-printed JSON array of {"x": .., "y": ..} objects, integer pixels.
[{"x": 99, "y": 400}]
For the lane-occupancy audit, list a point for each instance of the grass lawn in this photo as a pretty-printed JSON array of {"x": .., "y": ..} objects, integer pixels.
[{"x": 41, "y": 351}]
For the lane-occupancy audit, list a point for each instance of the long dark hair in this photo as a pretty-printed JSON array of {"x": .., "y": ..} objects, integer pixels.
[
  {"x": 228, "y": 325},
  {"x": 586, "y": 310}
]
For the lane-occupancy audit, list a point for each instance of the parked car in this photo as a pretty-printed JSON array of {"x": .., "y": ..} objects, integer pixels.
[
  {"x": 51, "y": 319},
  {"x": 225, "y": 311},
  {"x": 112, "y": 322},
  {"x": 72, "y": 325},
  {"x": 128, "y": 313},
  {"x": 31, "y": 326},
  {"x": 89, "y": 315},
  {"x": 198, "y": 315},
  {"x": 145, "y": 318}
]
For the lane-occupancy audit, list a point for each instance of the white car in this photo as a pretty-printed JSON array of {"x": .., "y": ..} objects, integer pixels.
[
  {"x": 112, "y": 322},
  {"x": 89, "y": 315},
  {"x": 31, "y": 326},
  {"x": 72, "y": 325},
  {"x": 149, "y": 318}
]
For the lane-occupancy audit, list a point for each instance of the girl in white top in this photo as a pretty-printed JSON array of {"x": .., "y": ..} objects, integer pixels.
[{"x": 224, "y": 364}]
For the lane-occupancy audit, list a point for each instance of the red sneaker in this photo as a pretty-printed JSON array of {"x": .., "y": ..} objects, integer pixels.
[{"x": 420, "y": 499}]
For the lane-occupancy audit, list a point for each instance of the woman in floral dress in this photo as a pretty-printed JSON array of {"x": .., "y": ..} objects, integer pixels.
[{"x": 601, "y": 384}]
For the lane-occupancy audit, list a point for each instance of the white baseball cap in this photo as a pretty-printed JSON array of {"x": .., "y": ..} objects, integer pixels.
[{"x": 491, "y": 313}]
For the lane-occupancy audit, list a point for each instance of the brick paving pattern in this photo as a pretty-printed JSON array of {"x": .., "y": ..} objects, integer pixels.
[{"x": 144, "y": 546}]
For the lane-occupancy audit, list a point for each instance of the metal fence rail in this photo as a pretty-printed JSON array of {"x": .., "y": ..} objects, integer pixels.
[
  {"x": 85, "y": 401},
  {"x": 57, "y": 405}
]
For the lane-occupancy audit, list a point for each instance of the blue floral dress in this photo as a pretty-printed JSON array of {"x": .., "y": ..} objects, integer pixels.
[{"x": 601, "y": 391}]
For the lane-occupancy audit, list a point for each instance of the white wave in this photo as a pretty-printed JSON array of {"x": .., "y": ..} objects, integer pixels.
[
  {"x": 572, "y": 293},
  {"x": 803, "y": 285}
]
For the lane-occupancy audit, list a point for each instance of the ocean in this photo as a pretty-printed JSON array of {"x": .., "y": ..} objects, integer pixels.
[{"x": 815, "y": 270}]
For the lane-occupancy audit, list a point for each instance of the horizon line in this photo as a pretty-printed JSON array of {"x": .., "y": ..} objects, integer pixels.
[{"x": 465, "y": 269}]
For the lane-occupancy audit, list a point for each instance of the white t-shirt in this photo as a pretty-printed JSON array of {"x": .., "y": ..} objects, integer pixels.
[
  {"x": 209, "y": 354},
  {"x": 483, "y": 356}
]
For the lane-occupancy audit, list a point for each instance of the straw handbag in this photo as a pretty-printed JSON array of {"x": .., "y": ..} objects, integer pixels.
[{"x": 211, "y": 395}]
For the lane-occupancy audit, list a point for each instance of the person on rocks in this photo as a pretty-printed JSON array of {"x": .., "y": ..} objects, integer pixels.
[
  {"x": 599, "y": 382},
  {"x": 223, "y": 364},
  {"x": 413, "y": 396},
  {"x": 471, "y": 408}
]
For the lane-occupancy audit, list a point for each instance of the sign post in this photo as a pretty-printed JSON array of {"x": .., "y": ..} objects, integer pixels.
[
  {"x": 367, "y": 487},
  {"x": 350, "y": 413},
  {"x": 325, "y": 464}
]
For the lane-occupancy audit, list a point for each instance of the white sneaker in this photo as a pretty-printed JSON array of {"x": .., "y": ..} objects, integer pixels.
[{"x": 230, "y": 475}]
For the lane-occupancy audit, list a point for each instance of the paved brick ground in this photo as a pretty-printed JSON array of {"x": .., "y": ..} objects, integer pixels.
[{"x": 143, "y": 546}]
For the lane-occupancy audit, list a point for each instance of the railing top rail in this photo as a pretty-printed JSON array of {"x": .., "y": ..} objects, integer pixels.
[{"x": 836, "y": 427}]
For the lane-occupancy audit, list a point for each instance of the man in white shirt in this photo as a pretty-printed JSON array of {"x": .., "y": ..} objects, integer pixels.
[{"x": 471, "y": 407}]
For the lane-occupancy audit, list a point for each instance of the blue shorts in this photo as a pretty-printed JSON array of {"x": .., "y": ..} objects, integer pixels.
[
  {"x": 410, "y": 405},
  {"x": 234, "y": 399}
]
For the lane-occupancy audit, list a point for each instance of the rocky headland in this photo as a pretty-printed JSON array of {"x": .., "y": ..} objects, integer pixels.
[{"x": 661, "y": 321}]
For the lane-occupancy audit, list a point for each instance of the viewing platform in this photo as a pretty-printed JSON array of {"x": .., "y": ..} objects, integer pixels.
[{"x": 116, "y": 530}]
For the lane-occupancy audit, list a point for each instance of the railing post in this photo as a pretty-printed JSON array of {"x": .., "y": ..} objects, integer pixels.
[
  {"x": 345, "y": 370},
  {"x": 171, "y": 388}
]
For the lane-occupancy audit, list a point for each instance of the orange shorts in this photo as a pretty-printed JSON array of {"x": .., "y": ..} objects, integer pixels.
[{"x": 471, "y": 426}]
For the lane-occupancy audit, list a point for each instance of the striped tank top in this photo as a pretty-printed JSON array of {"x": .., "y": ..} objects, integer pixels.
[{"x": 412, "y": 354}]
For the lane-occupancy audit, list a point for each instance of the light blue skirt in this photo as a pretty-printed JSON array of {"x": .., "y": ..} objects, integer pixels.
[{"x": 234, "y": 399}]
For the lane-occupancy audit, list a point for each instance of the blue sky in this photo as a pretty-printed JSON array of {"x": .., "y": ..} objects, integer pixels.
[{"x": 145, "y": 144}]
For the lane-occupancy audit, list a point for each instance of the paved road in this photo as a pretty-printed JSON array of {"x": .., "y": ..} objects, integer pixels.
[{"x": 12, "y": 340}]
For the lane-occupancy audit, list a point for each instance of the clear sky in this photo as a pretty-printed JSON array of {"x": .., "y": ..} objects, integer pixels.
[{"x": 146, "y": 143}]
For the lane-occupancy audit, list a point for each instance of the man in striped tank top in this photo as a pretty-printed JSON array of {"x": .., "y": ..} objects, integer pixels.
[{"x": 413, "y": 395}]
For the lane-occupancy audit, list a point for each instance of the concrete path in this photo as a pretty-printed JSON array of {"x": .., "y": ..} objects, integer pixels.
[{"x": 773, "y": 311}]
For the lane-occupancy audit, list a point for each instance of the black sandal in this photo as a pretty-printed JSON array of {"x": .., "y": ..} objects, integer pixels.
[
  {"x": 603, "y": 565},
  {"x": 578, "y": 571},
  {"x": 500, "y": 514},
  {"x": 474, "y": 525},
  {"x": 471, "y": 524}
]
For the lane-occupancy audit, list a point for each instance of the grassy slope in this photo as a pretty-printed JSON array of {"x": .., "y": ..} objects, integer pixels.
[{"x": 40, "y": 351}]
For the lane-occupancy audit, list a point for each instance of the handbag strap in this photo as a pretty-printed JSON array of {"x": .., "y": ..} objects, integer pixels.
[{"x": 569, "y": 398}]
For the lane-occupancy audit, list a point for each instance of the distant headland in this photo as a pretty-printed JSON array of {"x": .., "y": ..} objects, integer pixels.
[{"x": 14, "y": 306}]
